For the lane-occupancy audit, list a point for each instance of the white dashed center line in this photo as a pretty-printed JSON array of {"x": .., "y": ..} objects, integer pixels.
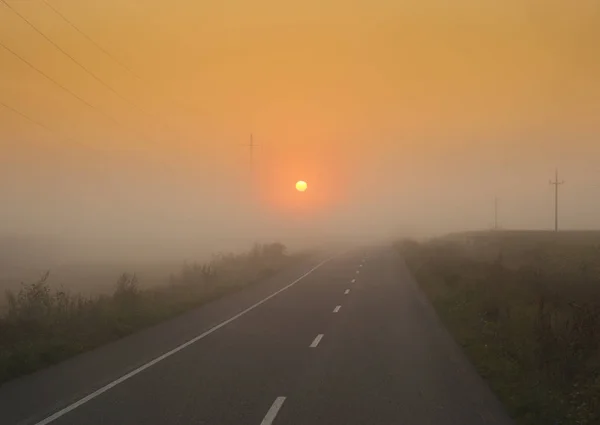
[
  {"x": 268, "y": 420},
  {"x": 316, "y": 341},
  {"x": 353, "y": 280},
  {"x": 360, "y": 265},
  {"x": 358, "y": 271},
  {"x": 335, "y": 310},
  {"x": 347, "y": 291}
]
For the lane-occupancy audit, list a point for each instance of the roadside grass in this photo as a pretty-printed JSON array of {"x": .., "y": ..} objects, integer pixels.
[
  {"x": 531, "y": 328},
  {"x": 43, "y": 326}
]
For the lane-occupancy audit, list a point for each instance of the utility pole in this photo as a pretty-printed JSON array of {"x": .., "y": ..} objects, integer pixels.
[
  {"x": 251, "y": 146},
  {"x": 556, "y": 183},
  {"x": 496, "y": 213}
]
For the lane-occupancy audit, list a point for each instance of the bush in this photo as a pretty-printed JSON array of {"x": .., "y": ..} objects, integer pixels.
[
  {"x": 43, "y": 326},
  {"x": 531, "y": 328}
]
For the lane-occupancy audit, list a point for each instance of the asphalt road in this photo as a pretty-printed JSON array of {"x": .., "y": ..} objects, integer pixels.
[{"x": 347, "y": 341}]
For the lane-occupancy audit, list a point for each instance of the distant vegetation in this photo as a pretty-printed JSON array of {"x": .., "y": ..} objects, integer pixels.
[
  {"x": 525, "y": 306},
  {"x": 43, "y": 326}
]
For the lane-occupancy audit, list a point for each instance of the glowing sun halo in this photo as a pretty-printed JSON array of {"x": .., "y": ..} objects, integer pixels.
[{"x": 301, "y": 186}]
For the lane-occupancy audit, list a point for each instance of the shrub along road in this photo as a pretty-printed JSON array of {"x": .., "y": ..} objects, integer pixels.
[
  {"x": 528, "y": 317},
  {"x": 43, "y": 326}
]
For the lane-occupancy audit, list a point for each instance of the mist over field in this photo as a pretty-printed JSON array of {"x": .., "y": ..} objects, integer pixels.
[{"x": 404, "y": 119}]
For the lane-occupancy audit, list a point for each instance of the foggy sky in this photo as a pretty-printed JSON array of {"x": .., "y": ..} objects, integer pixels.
[{"x": 402, "y": 116}]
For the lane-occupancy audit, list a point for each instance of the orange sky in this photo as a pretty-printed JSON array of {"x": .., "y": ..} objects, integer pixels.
[{"x": 361, "y": 99}]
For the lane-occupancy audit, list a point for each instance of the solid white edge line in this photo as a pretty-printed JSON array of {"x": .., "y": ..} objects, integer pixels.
[
  {"x": 270, "y": 416},
  {"x": 335, "y": 310},
  {"x": 145, "y": 366},
  {"x": 347, "y": 291},
  {"x": 316, "y": 341}
]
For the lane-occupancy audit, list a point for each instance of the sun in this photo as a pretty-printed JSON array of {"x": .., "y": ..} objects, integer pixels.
[{"x": 301, "y": 186}]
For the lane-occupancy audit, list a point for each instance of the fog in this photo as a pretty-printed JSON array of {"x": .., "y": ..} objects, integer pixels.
[{"x": 404, "y": 118}]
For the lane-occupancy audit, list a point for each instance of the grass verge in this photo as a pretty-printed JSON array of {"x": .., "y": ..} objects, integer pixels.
[
  {"x": 44, "y": 326},
  {"x": 532, "y": 331}
]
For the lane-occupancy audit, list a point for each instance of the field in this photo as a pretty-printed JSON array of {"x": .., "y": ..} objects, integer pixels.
[
  {"x": 92, "y": 266},
  {"x": 42, "y": 325},
  {"x": 525, "y": 307},
  {"x": 88, "y": 279}
]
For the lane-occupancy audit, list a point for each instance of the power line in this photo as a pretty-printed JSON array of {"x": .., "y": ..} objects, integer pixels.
[
  {"x": 36, "y": 122},
  {"x": 28, "y": 118},
  {"x": 107, "y": 53},
  {"x": 56, "y": 83},
  {"x": 91, "y": 40},
  {"x": 75, "y": 61},
  {"x": 99, "y": 47},
  {"x": 62, "y": 87}
]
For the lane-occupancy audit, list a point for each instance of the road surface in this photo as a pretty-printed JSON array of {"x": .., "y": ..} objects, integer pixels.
[{"x": 349, "y": 340}]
